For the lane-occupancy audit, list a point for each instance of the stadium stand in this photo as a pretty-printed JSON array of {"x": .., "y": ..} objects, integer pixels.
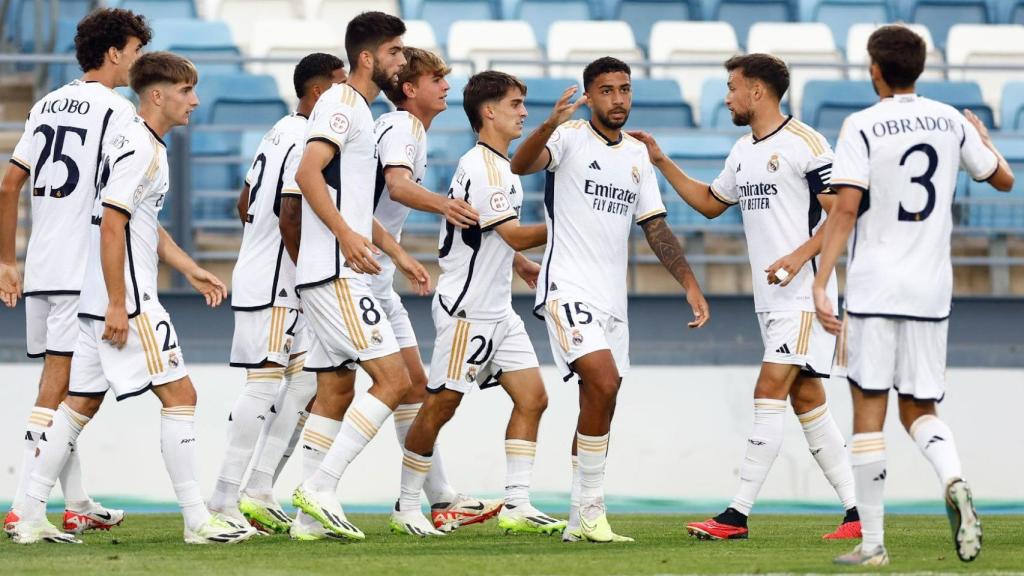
[
  {"x": 583, "y": 41},
  {"x": 242, "y": 15},
  {"x": 505, "y": 41},
  {"x": 827, "y": 103},
  {"x": 442, "y": 13},
  {"x": 857, "y": 52},
  {"x": 290, "y": 39},
  {"x": 643, "y": 15},
  {"x": 691, "y": 44},
  {"x": 840, "y": 15},
  {"x": 959, "y": 95},
  {"x": 807, "y": 47},
  {"x": 986, "y": 45},
  {"x": 658, "y": 103},
  {"x": 161, "y": 8},
  {"x": 197, "y": 39},
  {"x": 743, "y": 14},
  {"x": 541, "y": 14},
  {"x": 941, "y": 15},
  {"x": 1012, "y": 116}
]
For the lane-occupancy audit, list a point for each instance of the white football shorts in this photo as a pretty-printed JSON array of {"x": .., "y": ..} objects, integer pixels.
[
  {"x": 151, "y": 357},
  {"x": 472, "y": 353},
  {"x": 885, "y": 353},
  {"x": 268, "y": 335},
  {"x": 577, "y": 328},
  {"x": 797, "y": 337},
  {"x": 51, "y": 324},
  {"x": 348, "y": 325}
]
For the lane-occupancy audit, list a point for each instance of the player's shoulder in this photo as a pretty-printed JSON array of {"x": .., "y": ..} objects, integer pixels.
[
  {"x": 137, "y": 137},
  {"x": 400, "y": 122},
  {"x": 805, "y": 139},
  {"x": 570, "y": 129},
  {"x": 484, "y": 165}
]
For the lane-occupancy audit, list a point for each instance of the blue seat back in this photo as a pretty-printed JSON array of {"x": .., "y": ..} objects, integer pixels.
[
  {"x": 826, "y": 103},
  {"x": 658, "y": 103},
  {"x": 743, "y": 14},
  {"x": 153, "y": 9},
  {"x": 643, "y": 14},
  {"x": 1012, "y": 118},
  {"x": 940, "y": 15},
  {"x": 839, "y": 15},
  {"x": 959, "y": 95},
  {"x": 441, "y": 14},
  {"x": 540, "y": 14}
]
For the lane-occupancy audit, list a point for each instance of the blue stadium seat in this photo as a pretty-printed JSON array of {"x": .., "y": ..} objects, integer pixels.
[
  {"x": 1012, "y": 118},
  {"x": 743, "y": 14},
  {"x": 989, "y": 208},
  {"x": 701, "y": 156},
  {"x": 250, "y": 142},
  {"x": 153, "y": 9},
  {"x": 21, "y": 24},
  {"x": 839, "y": 15},
  {"x": 959, "y": 95},
  {"x": 643, "y": 14},
  {"x": 542, "y": 13},
  {"x": 192, "y": 38},
  {"x": 441, "y": 14},
  {"x": 1010, "y": 11},
  {"x": 826, "y": 103},
  {"x": 60, "y": 74},
  {"x": 940, "y": 15},
  {"x": 658, "y": 103},
  {"x": 239, "y": 99}
]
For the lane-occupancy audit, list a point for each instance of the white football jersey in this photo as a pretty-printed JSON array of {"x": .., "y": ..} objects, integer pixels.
[
  {"x": 60, "y": 149},
  {"x": 342, "y": 119},
  {"x": 595, "y": 190},
  {"x": 904, "y": 154},
  {"x": 401, "y": 141},
  {"x": 476, "y": 263},
  {"x": 134, "y": 179},
  {"x": 776, "y": 181},
  {"x": 264, "y": 275}
]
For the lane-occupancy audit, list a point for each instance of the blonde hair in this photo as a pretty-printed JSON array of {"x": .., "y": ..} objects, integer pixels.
[{"x": 418, "y": 62}]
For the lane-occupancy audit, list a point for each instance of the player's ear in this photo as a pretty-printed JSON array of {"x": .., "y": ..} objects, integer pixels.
[
  {"x": 409, "y": 90},
  {"x": 113, "y": 55}
]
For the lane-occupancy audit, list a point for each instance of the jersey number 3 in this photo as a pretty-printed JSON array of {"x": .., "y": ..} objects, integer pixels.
[{"x": 924, "y": 180}]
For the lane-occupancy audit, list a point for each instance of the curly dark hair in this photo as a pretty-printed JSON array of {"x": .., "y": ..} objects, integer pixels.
[{"x": 104, "y": 29}]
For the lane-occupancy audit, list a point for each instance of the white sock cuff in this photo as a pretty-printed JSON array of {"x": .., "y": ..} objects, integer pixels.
[
  {"x": 867, "y": 448},
  {"x": 591, "y": 444},
  {"x": 366, "y": 415},
  {"x": 815, "y": 417},
  {"x": 78, "y": 421},
  {"x": 406, "y": 413},
  {"x": 320, "y": 432},
  {"x": 40, "y": 418},
  {"x": 274, "y": 373},
  {"x": 296, "y": 365},
  {"x": 769, "y": 405},
  {"x": 575, "y": 462},
  {"x": 516, "y": 447},
  {"x": 921, "y": 422},
  {"x": 178, "y": 413},
  {"x": 416, "y": 462}
]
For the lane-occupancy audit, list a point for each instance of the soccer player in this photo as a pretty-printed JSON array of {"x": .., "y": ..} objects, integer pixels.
[
  {"x": 779, "y": 176},
  {"x": 270, "y": 338},
  {"x": 60, "y": 151},
  {"x": 600, "y": 180},
  {"x": 420, "y": 95},
  {"x": 337, "y": 178},
  {"x": 126, "y": 341},
  {"x": 481, "y": 341},
  {"x": 895, "y": 172}
]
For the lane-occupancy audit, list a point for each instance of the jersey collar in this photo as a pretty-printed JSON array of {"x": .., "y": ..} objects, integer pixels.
[
  {"x": 774, "y": 132},
  {"x": 155, "y": 135},
  {"x": 602, "y": 136},
  {"x": 499, "y": 154},
  {"x": 301, "y": 115}
]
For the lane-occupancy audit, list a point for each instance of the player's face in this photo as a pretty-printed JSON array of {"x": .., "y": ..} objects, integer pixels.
[
  {"x": 610, "y": 98},
  {"x": 432, "y": 91},
  {"x": 738, "y": 99},
  {"x": 339, "y": 76},
  {"x": 509, "y": 114},
  {"x": 125, "y": 58},
  {"x": 179, "y": 100},
  {"x": 388, "y": 60}
]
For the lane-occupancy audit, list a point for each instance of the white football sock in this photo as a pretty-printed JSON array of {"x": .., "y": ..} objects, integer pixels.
[
  {"x": 38, "y": 422},
  {"x": 436, "y": 486},
  {"x": 54, "y": 449},
  {"x": 75, "y": 496},
  {"x": 574, "y": 496},
  {"x": 828, "y": 447},
  {"x": 935, "y": 440},
  {"x": 519, "y": 455},
  {"x": 414, "y": 473},
  {"x": 244, "y": 424},
  {"x": 178, "y": 446},
  {"x": 868, "y": 459},
  {"x": 591, "y": 452},
  {"x": 763, "y": 447},
  {"x": 317, "y": 439},
  {"x": 284, "y": 429},
  {"x": 290, "y": 449},
  {"x": 362, "y": 421}
]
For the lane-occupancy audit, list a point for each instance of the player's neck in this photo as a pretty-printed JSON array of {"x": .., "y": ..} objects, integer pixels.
[
  {"x": 887, "y": 92},
  {"x": 305, "y": 107},
  {"x": 154, "y": 119},
  {"x": 494, "y": 141},
  {"x": 766, "y": 123},
  {"x": 612, "y": 135},
  {"x": 103, "y": 75},
  {"x": 424, "y": 116},
  {"x": 364, "y": 84}
]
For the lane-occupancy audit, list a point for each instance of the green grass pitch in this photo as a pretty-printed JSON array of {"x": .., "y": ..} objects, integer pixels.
[{"x": 151, "y": 543}]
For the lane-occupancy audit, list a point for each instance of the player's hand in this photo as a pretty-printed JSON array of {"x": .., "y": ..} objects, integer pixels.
[
  {"x": 653, "y": 150},
  {"x": 208, "y": 285},
  {"x": 701, "y": 310},
  {"x": 791, "y": 263},
  {"x": 10, "y": 284},
  {"x": 115, "y": 328},
  {"x": 978, "y": 125},
  {"x": 417, "y": 275},
  {"x": 823, "y": 308},
  {"x": 563, "y": 109},
  {"x": 459, "y": 213},
  {"x": 359, "y": 253},
  {"x": 528, "y": 270}
]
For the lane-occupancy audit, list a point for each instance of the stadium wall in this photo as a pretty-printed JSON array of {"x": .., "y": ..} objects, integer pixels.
[{"x": 678, "y": 440}]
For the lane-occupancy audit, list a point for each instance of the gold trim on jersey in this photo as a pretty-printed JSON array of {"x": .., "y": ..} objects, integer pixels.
[
  {"x": 804, "y": 340},
  {"x": 850, "y": 181},
  {"x": 348, "y": 95},
  {"x": 493, "y": 173},
  {"x": 326, "y": 136},
  {"x": 278, "y": 315},
  {"x": 149, "y": 346},
  {"x": 458, "y": 351},
  {"x": 574, "y": 124},
  {"x": 417, "y": 128},
  {"x": 291, "y": 192},
  {"x": 121, "y": 205},
  {"x": 649, "y": 214},
  {"x": 348, "y": 314},
  {"x": 841, "y": 343},
  {"x": 721, "y": 198},
  {"x": 563, "y": 340},
  {"x": 805, "y": 134},
  {"x": 22, "y": 163},
  {"x": 605, "y": 141}
]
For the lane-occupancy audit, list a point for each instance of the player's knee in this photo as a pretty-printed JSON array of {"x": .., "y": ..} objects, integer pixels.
[
  {"x": 601, "y": 389},
  {"x": 534, "y": 404},
  {"x": 87, "y": 406},
  {"x": 911, "y": 410}
]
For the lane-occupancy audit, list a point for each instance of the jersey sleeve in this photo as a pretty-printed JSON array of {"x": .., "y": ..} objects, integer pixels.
[
  {"x": 649, "y": 204},
  {"x": 22, "y": 156},
  {"x": 557, "y": 145},
  {"x": 490, "y": 196},
  {"x": 818, "y": 171},
  {"x": 131, "y": 174},
  {"x": 332, "y": 118},
  {"x": 852, "y": 167},
  {"x": 723, "y": 188},
  {"x": 292, "y": 159},
  {"x": 975, "y": 158},
  {"x": 399, "y": 144}
]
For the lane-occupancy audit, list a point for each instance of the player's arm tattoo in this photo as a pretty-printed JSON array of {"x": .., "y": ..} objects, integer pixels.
[{"x": 666, "y": 247}]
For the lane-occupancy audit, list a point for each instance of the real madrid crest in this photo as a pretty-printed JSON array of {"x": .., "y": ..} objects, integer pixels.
[
  {"x": 375, "y": 336},
  {"x": 773, "y": 163},
  {"x": 636, "y": 175},
  {"x": 577, "y": 336},
  {"x": 172, "y": 360},
  {"x": 471, "y": 374}
]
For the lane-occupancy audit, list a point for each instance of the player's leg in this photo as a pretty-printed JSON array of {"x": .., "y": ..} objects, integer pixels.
[
  {"x": 828, "y": 447},
  {"x": 921, "y": 369},
  {"x": 417, "y": 460}
]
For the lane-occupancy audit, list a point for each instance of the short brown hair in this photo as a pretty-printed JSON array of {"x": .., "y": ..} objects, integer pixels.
[
  {"x": 487, "y": 87},
  {"x": 764, "y": 67},
  {"x": 157, "y": 67},
  {"x": 900, "y": 54},
  {"x": 418, "y": 62},
  {"x": 367, "y": 31},
  {"x": 105, "y": 29}
]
